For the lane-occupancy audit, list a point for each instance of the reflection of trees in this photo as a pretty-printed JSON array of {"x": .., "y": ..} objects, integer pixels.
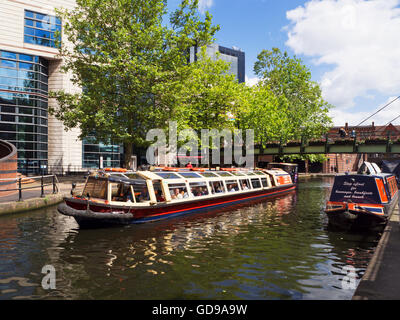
[
  {"x": 273, "y": 246},
  {"x": 274, "y": 249}
]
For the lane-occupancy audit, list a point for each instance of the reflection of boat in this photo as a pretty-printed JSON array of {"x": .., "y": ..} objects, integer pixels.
[
  {"x": 121, "y": 197},
  {"x": 364, "y": 200}
]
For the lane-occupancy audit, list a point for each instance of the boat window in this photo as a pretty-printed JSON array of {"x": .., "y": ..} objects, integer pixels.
[
  {"x": 245, "y": 184},
  {"x": 168, "y": 175},
  {"x": 238, "y": 174},
  {"x": 133, "y": 176},
  {"x": 208, "y": 175},
  {"x": 178, "y": 190},
  {"x": 96, "y": 188},
  {"x": 259, "y": 173},
  {"x": 256, "y": 183},
  {"x": 251, "y": 174},
  {"x": 141, "y": 192},
  {"x": 198, "y": 188},
  {"x": 189, "y": 175},
  {"x": 121, "y": 192},
  {"x": 264, "y": 182},
  {"x": 216, "y": 187},
  {"x": 158, "y": 192},
  {"x": 224, "y": 174},
  {"x": 232, "y": 185}
]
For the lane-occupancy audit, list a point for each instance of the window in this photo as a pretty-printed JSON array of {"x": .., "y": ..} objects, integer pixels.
[
  {"x": 256, "y": 183},
  {"x": 158, "y": 192},
  {"x": 237, "y": 173},
  {"x": 168, "y": 175},
  {"x": 264, "y": 182},
  {"x": 40, "y": 29},
  {"x": 92, "y": 152},
  {"x": 140, "y": 191},
  {"x": 224, "y": 174},
  {"x": 232, "y": 185},
  {"x": 216, "y": 187},
  {"x": 178, "y": 190},
  {"x": 209, "y": 175},
  {"x": 121, "y": 192},
  {"x": 189, "y": 175},
  {"x": 96, "y": 188},
  {"x": 245, "y": 184},
  {"x": 198, "y": 189},
  {"x": 259, "y": 173}
]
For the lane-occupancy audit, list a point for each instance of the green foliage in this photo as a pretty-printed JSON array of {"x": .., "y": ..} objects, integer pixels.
[
  {"x": 132, "y": 67},
  {"x": 310, "y": 157},
  {"x": 304, "y": 113},
  {"x": 208, "y": 96}
]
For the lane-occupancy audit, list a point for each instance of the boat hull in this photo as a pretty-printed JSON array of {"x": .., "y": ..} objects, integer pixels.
[
  {"x": 90, "y": 215},
  {"x": 353, "y": 217}
]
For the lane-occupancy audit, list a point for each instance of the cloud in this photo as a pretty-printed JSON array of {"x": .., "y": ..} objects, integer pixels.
[
  {"x": 251, "y": 81},
  {"x": 358, "y": 39},
  {"x": 204, "y": 5},
  {"x": 341, "y": 116}
]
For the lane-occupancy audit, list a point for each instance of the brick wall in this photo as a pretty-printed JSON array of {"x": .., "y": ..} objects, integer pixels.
[{"x": 8, "y": 167}]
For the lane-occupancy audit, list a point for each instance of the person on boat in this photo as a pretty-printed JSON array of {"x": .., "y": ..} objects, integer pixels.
[
  {"x": 174, "y": 193},
  {"x": 189, "y": 165},
  {"x": 159, "y": 196},
  {"x": 181, "y": 194},
  {"x": 244, "y": 186},
  {"x": 144, "y": 195},
  {"x": 231, "y": 188}
]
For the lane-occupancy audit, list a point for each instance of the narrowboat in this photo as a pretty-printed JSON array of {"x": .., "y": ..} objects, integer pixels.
[
  {"x": 117, "y": 196},
  {"x": 362, "y": 201}
]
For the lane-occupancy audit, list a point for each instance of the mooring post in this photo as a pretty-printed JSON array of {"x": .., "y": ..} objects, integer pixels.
[
  {"x": 54, "y": 184},
  {"x": 42, "y": 187},
  {"x": 20, "y": 189}
]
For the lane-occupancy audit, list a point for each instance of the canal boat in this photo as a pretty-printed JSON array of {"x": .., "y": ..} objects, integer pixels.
[
  {"x": 362, "y": 201},
  {"x": 117, "y": 196}
]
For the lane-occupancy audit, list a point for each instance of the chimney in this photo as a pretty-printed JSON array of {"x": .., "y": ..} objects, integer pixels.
[{"x": 346, "y": 127}]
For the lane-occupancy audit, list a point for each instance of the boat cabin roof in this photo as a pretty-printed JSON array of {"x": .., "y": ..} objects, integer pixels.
[{"x": 139, "y": 177}]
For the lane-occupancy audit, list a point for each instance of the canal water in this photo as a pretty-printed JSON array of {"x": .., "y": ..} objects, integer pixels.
[{"x": 279, "y": 249}]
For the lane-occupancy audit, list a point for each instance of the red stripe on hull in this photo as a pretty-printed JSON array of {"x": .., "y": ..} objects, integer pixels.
[{"x": 173, "y": 208}]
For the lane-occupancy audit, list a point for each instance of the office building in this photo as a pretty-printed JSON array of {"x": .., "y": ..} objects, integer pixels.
[
  {"x": 234, "y": 56},
  {"x": 29, "y": 69}
]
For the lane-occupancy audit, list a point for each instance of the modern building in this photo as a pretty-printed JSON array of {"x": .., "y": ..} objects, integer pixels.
[
  {"x": 233, "y": 55},
  {"x": 29, "y": 69}
]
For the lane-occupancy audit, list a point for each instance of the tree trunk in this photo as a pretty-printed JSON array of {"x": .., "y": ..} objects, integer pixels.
[{"x": 128, "y": 150}]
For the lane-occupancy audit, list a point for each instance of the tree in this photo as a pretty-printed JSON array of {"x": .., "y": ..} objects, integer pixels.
[
  {"x": 266, "y": 114},
  {"x": 131, "y": 66},
  {"x": 289, "y": 78},
  {"x": 208, "y": 96}
]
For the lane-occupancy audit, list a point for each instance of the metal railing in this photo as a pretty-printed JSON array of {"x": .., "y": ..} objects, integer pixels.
[{"x": 28, "y": 180}]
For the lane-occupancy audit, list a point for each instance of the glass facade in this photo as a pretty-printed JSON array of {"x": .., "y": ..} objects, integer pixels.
[
  {"x": 235, "y": 57},
  {"x": 40, "y": 28},
  {"x": 93, "y": 151},
  {"x": 23, "y": 108}
]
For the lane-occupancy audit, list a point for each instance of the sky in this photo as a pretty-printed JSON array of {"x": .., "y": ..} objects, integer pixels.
[{"x": 351, "y": 47}]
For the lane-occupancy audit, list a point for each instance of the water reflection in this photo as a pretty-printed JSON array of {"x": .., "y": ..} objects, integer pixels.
[{"x": 278, "y": 249}]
